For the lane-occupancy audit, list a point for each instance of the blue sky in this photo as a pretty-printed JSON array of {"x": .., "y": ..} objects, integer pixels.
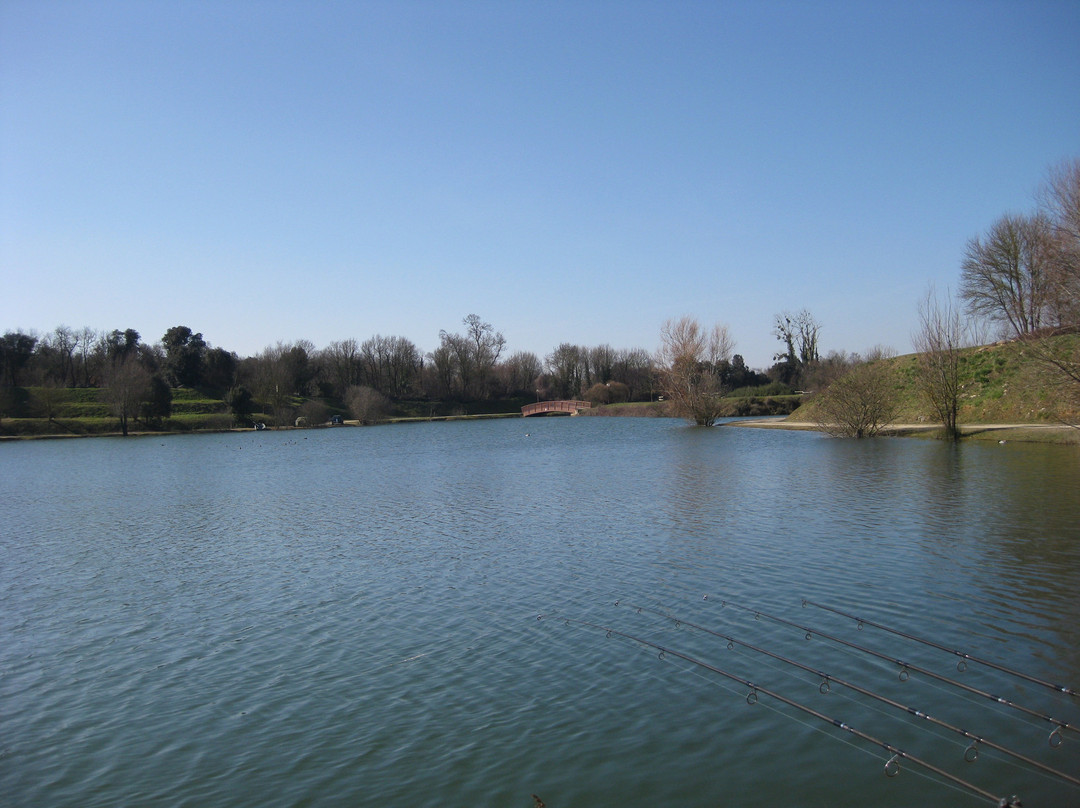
[{"x": 570, "y": 171}]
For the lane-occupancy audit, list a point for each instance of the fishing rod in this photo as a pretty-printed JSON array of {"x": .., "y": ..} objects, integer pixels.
[
  {"x": 892, "y": 766},
  {"x": 970, "y": 754},
  {"x": 965, "y": 657},
  {"x": 1055, "y": 740}
]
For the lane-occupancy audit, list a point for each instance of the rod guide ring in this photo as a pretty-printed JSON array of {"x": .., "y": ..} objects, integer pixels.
[{"x": 892, "y": 766}]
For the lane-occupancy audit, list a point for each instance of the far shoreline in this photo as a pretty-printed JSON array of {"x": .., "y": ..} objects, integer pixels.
[{"x": 1060, "y": 434}]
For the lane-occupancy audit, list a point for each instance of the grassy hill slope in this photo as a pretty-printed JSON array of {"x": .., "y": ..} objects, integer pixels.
[{"x": 1001, "y": 383}]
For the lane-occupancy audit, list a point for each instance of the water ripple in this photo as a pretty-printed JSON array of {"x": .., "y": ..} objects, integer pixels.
[{"x": 350, "y": 616}]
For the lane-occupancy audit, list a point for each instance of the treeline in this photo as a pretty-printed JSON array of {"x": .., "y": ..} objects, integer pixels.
[
  {"x": 379, "y": 376},
  {"x": 369, "y": 378}
]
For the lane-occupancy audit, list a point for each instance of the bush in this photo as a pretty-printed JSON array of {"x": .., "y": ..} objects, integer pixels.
[
  {"x": 860, "y": 403},
  {"x": 367, "y": 405}
]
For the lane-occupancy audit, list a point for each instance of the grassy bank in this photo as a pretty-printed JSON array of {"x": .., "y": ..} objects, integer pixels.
[
  {"x": 999, "y": 384},
  {"x": 39, "y": 412},
  {"x": 1005, "y": 394}
]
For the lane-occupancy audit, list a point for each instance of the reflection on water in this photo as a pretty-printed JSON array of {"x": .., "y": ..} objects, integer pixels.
[{"x": 349, "y": 616}]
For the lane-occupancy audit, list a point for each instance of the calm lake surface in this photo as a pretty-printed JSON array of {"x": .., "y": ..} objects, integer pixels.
[{"x": 349, "y": 617}]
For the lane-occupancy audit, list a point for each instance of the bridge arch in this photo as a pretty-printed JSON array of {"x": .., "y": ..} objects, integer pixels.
[{"x": 541, "y": 407}]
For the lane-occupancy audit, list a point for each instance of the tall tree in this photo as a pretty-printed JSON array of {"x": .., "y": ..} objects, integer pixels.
[
  {"x": 219, "y": 371},
  {"x": 390, "y": 365},
  {"x": 442, "y": 372},
  {"x": 799, "y": 333},
  {"x": 65, "y": 343},
  {"x": 566, "y": 370},
  {"x": 341, "y": 365},
  {"x": 692, "y": 362},
  {"x": 472, "y": 355},
  {"x": 599, "y": 365},
  {"x": 16, "y": 348},
  {"x": 121, "y": 345},
  {"x": 518, "y": 373},
  {"x": 185, "y": 356},
  {"x": 1060, "y": 203},
  {"x": 634, "y": 368},
  {"x": 487, "y": 347},
  {"x": 1005, "y": 276},
  {"x": 85, "y": 356}
]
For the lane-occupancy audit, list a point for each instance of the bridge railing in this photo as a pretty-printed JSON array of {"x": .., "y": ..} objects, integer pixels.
[{"x": 554, "y": 406}]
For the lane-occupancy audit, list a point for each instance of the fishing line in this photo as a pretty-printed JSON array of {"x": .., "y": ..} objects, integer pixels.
[
  {"x": 971, "y": 753},
  {"x": 892, "y": 766},
  {"x": 787, "y": 670},
  {"x": 964, "y": 657},
  {"x": 906, "y": 668},
  {"x": 884, "y": 665},
  {"x": 819, "y": 730}
]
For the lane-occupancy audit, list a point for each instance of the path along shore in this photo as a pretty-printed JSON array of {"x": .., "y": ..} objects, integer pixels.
[{"x": 1030, "y": 433}]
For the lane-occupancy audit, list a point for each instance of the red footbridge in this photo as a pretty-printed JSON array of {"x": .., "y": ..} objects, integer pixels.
[{"x": 541, "y": 407}]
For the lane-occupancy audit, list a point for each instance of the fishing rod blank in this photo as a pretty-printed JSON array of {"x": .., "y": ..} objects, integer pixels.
[
  {"x": 892, "y": 766},
  {"x": 1055, "y": 739},
  {"x": 965, "y": 657},
  {"x": 970, "y": 754}
]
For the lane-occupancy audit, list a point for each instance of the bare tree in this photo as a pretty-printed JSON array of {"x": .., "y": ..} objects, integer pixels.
[
  {"x": 518, "y": 372},
  {"x": 600, "y": 365},
  {"x": 487, "y": 344},
  {"x": 1005, "y": 276},
  {"x": 861, "y": 402},
  {"x": 1060, "y": 202},
  {"x": 340, "y": 364},
  {"x": 566, "y": 370},
  {"x": 1059, "y": 199},
  {"x": 941, "y": 338},
  {"x": 280, "y": 373},
  {"x": 390, "y": 364},
  {"x": 87, "y": 340},
  {"x": 65, "y": 342},
  {"x": 799, "y": 333},
  {"x": 441, "y": 374},
  {"x": 128, "y": 383},
  {"x": 634, "y": 367},
  {"x": 471, "y": 357},
  {"x": 692, "y": 363}
]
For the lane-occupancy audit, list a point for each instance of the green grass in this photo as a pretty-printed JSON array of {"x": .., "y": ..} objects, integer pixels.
[{"x": 999, "y": 384}]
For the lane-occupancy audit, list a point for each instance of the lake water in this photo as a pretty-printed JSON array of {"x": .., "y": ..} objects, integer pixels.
[{"x": 349, "y": 617}]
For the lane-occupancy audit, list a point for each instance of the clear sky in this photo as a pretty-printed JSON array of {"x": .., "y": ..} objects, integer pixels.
[{"x": 570, "y": 171}]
